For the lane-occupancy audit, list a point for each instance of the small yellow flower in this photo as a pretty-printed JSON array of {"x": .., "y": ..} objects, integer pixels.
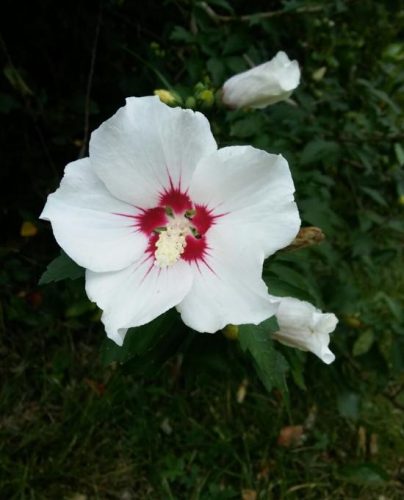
[
  {"x": 401, "y": 200},
  {"x": 165, "y": 96}
]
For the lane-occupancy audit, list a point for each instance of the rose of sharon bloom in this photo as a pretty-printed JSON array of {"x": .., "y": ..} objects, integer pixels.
[
  {"x": 263, "y": 85},
  {"x": 303, "y": 326},
  {"x": 161, "y": 218}
]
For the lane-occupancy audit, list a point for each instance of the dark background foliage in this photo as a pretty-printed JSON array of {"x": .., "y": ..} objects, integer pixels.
[{"x": 72, "y": 426}]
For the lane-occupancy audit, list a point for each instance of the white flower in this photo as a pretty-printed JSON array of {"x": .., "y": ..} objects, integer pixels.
[
  {"x": 303, "y": 326},
  {"x": 263, "y": 85},
  {"x": 161, "y": 218}
]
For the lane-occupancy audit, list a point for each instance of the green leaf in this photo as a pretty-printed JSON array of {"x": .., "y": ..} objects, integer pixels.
[
  {"x": 375, "y": 195},
  {"x": 216, "y": 69},
  {"x": 396, "y": 224},
  {"x": 280, "y": 288},
  {"x": 363, "y": 343},
  {"x": 222, "y": 3},
  {"x": 248, "y": 125},
  {"x": 399, "y": 154},
  {"x": 271, "y": 366},
  {"x": 180, "y": 34},
  {"x": 379, "y": 94},
  {"x": 146, "y": 342},
  {"x": 61, "y": 268},
  {"x": 234, "y": 44},
  {"x": 364, "y": 474},
  {"x": 318, "y": 150}
]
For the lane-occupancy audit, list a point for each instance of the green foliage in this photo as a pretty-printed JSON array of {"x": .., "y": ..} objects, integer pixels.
[
  {"x": 61, "y": 268},
  {"x": 363, "y": 474},
  {"x": 271, "y": 366},
  {"x": 147, "y": 347},
  {"x": 342, "y": 134}
]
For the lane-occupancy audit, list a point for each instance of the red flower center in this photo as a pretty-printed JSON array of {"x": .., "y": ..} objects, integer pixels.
[{"x": 176, "y": 205}]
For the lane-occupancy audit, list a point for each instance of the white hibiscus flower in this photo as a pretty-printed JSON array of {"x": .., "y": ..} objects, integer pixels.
[
  {"x": 266, "y": 84},
  {"x": 161, "y": 218}
]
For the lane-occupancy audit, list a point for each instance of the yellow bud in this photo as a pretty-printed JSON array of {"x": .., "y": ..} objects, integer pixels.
[
  {"x": 165, "y": 96},
  {"x": 207, "y": 97},
  {"x": 353, "y": 322},
  {"x": 28, "y": 229},
  {"x": 231, "y": 332},
  {"x": 401, "y": 200}
]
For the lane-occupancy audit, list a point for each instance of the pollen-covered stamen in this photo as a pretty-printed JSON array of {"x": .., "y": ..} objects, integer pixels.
[{"x": 171, "y": 242}]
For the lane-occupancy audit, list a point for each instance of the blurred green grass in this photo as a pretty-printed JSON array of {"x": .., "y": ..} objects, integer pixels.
[{"x": 71, "y": 427}]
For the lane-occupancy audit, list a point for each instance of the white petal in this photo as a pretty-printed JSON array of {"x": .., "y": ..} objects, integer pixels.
[
  {"x": 303, "y": 326},
  {"x": 84, "y": 219},
  {"x": 136, "y": 295},
  {"x": 228, "y": 289},
  {"x": 145, "y": 146},
  {"x": 263, "y": 85},
  {"x": 325, "y": 322},
  {"x": 255, "y": 191},
  {"x": 320, "y": 348}
]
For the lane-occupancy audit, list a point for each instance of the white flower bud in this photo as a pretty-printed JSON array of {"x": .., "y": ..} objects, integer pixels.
[
  {"x": 263, "y": 85},
  {"x": 303, "y": 326}
]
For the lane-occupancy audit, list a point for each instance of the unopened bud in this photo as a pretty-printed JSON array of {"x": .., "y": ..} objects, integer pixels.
[
  {"x": 231, "y": 332},
  {"x": 190, "y": 102},
  {"x": 207, "y": 97},
  {"x": 165, "y": 96},
  {"x": 263, "y": 85},
  {"x": 307, "y": 236}
]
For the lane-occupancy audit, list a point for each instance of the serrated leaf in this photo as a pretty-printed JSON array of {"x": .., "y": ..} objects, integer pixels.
[
  {"x": 61, "y": 268},
  {"x": 271, "y": 366}
]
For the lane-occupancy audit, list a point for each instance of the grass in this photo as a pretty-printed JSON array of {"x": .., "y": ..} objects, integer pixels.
[{"x": 73, "y": 429}]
